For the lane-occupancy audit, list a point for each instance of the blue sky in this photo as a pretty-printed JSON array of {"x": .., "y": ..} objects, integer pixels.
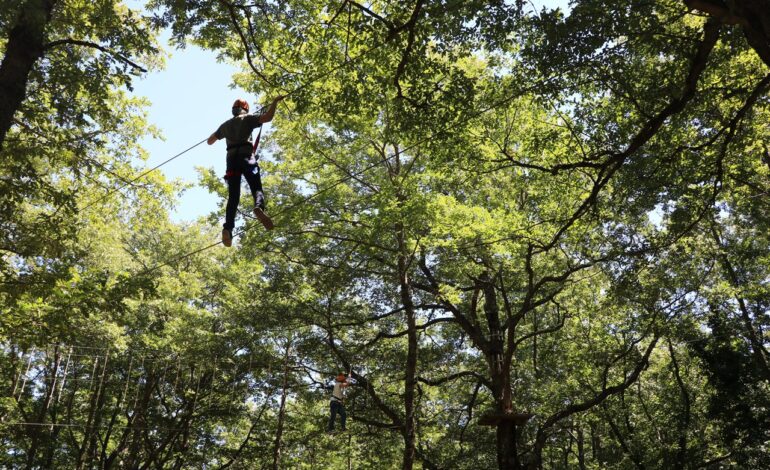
[{"x": 189, "y": 99}]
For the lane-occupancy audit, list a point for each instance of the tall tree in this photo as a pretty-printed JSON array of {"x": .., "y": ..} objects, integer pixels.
[
  {"x": 23, "y": 48},
  {"x": 535, "y": 240}
]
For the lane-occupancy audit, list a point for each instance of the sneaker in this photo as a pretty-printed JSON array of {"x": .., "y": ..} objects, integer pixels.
[
  {"x": 259, "y": 213},
  {"x": 227, "y": 238}
]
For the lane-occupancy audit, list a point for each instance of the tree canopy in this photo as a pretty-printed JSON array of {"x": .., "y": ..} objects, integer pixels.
[{"x": 533, "y": 237}]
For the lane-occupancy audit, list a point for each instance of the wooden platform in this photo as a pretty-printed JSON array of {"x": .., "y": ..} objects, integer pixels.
[{"x": 495, "y": 418}]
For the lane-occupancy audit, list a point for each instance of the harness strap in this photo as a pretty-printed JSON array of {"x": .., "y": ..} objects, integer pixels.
[{"x": 256, "y": 141}]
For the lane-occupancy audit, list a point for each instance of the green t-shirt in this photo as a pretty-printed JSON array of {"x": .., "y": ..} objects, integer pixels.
[{"x": 237, "y": 133}]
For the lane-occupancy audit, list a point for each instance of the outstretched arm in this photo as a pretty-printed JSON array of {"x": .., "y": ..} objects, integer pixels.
[
  {"x": 212, "y": 138},
  {"x": 268, "y": 116},
  {"x": 347, "y": 381}
]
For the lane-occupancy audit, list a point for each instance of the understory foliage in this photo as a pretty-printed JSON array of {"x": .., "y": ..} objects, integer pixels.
[{"x": 533, "y": 237}]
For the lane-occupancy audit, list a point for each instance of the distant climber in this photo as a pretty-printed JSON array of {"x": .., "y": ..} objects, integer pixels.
[
  {"x": 337, "y": 405},
  {"x": 242, "y": 160}
]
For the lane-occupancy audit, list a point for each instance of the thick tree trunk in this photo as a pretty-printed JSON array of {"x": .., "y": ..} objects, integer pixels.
[
  {"x": 405, "y": 292},
  {"x": 88, "y": 429},
  {"x": 507, "y": 455},
  {"x": 184, "y": 445},
  {"x": 410, "y": 382},
  {"x": 24, "y": 47},
  {"x": 139, "y": 421},
  {"x": 581, "y": 447},
  {"x": 684, "y": 414},
  {"x": 282, "y": 410},
  {"x": 507, "y": 452},
  {"x": 753, "y": 16},
  {"x": 91, "y": 453}
]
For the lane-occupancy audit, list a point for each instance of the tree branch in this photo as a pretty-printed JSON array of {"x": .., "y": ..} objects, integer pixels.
[
  {"x": 369, "y": 12},
  {"x": 244, "y": 42},
  {"x": 466, "y": 373},
  {"x": 424, "y": 326},
  {"x": 596, "y": 400},
  {"x": 710, "y": 36},
  {"x": 93, "y": 45},
  {"x": 550, "y": 329},
  {"x": 409, "y": 44},
  {"x": 473, "y": 331}
]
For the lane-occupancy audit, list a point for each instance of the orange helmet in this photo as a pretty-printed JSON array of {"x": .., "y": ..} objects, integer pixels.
[{"x": 240, "y": 104}]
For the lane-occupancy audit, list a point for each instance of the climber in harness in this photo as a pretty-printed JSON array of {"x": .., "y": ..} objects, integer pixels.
[
  {"x": 337, "y": 405},
  {"x": 242, "y": 160}
]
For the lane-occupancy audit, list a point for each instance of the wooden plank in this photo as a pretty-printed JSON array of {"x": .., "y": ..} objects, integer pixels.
[{"x": 494, "y": 418}]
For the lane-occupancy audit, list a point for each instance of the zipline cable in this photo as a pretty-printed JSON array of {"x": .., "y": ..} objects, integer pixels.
[
  {"x": 142, "y": 175},
  {"x": 295, "y": 90},
  {"x": 350, "y": 176},
  {"x": 277, "y": 214},
  {"x": 304, "y": 200}
]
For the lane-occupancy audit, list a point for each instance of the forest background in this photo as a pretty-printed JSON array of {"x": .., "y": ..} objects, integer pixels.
[{"x": 535, "y": 237}]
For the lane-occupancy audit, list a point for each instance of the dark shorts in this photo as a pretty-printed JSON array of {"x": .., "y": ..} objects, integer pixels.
[{"x": 238, "y": 165}]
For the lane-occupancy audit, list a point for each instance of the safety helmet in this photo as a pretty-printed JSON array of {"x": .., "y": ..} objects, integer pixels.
[{"x": 238, "y": 105}]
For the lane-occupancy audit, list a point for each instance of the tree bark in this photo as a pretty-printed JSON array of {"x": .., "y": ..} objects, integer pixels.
[
  {"x": 139, "y": 420},
  {"x": 507, "y": 453},
  {"x": 24, "y": 47},
  {"x": 405, "y": 292},
  {"x": 753, "y": 16},
  {"x": 684, "y": 414},
  {"x": 282, "y": 409},
  {"x": 97, "y": 420},
  {"x": 88, "y": 429},
  {"x": 410, "y": 380}
]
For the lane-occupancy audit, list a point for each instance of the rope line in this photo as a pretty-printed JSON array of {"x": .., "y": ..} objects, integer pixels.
[
  {"x": 348, "y": 177},
  {"x": 89, "y": 426},
  {"x": 142, "y": 175},
  {"x": 277, "y": 214},
  {"x": 304, "y": 85},
  {"x": 237, "y": 362},
  {"x": 234, "y": 368},
  {"x": 102, "y": 426}
]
